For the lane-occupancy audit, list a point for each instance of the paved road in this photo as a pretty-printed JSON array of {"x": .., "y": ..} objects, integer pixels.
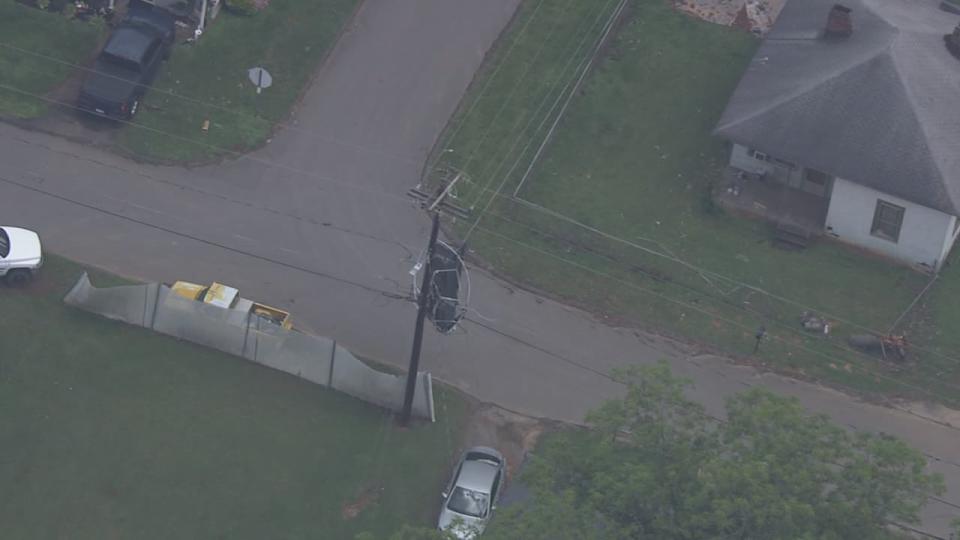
[{"x": 317, "y": 222}]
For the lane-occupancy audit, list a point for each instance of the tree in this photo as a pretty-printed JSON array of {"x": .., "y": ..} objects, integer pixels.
[
  {"x": 555, "y": 516},
  {"x": 655, "y": 466},
  {"x": 408, "y": 532}
]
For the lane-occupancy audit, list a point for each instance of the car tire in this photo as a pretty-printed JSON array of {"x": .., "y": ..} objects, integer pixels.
[
  {"x": 18, "y": 277},
  {"x": 134, "y": 107}
]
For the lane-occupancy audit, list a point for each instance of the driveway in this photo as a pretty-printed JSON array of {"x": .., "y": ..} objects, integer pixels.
[{"x": 317, "y": 222}]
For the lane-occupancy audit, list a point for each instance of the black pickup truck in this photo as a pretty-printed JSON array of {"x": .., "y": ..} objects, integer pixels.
[{"x": 127, "y": 64}]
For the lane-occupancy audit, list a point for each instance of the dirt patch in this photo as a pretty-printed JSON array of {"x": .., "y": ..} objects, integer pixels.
[
  {"x": 367, "y": 496},
  {"x": 514, "y": 435},
  {"x": 755, "y": 16}
]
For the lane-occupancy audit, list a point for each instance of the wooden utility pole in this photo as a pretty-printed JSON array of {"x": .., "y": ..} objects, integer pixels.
[
  {"x": 425, "y": 288},
  {"x": 433, "y": 205}
]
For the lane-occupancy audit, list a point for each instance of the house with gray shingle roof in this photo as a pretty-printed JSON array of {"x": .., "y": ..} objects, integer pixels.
[{"x": 859, "y": 104}]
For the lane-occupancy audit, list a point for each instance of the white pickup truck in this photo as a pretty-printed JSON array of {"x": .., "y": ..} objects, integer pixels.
[{"x": 20, "y": 255}]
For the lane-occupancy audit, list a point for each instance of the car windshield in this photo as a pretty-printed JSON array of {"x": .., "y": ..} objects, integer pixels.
[
  {"x": 469, "y": 502},
  {"x": 4, "y": 244}
]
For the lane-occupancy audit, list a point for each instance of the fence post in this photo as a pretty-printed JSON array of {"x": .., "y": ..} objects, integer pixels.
[
  {"x": 333, "y": 358},
  {"x": 156, "y": 302}
]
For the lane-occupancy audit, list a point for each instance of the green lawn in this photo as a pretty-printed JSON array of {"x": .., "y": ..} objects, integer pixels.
[
  {"x": 111, "y": 431},
  {"x": 40, "y": 33},
  {"x": 933, "y": 322},
  {"x": 634, "y": 157},
  {"x": 209, "y": 79}
]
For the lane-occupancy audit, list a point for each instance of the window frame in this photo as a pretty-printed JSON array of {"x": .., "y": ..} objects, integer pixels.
[
  {"x": 758, "y": 155},
  {"x": 816, "y": 177},
  {"x": 880, "y": 222}
]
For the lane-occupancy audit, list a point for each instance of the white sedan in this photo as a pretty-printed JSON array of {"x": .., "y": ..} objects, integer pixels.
[
  {"x": 20, "y": 255},
  {"x": 472, "y": 493}
]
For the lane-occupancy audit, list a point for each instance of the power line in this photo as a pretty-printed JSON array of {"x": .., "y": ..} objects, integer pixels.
[
  {"x": 262, "y": 161},
  {"x": 353, "y": 186},
  {"x": 238, "y": 155},
  {"x": 321, "y": 274},
  {"x": 269, "y": 163},
  {"x": 284, "y": 125},
  {"x": 513, "y": 90},
  {"x": 691, "y": 306},
  {"x": 314, "y": 272},
  {"x": 670, "y": 257},
  {"x": 698, "y": 291},
  {"x": 237, "y": 112},
  {"x": 696, "y": 410},
  {"x": 221, "y": 196},
  {"x": 543, "y": 102},
  {"x": 556, "y": 122},
  {"x": 485, "y": 189},
  {"x": 386, "y": 293},
  {"x": 586, "y": 67},
  {"x": 700, "y": 270},
  {"x": 346, "y": 281},
  {"x": 495, "y": 194},
  {"x": 496, "y": 70},
  {"x": 538, "y": 348}
]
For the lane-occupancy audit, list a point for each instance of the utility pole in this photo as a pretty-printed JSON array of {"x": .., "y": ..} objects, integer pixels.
[
  {"x": 425, "y": 288},
  {"x": 433, "y": 205}
]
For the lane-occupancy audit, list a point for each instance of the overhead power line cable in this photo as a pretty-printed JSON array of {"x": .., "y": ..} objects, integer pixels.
[
  {"x": 406, "y": 202},
  {"x": 700, "y": 270},
  {"x": 582, "y": 69},
  {"x": 698, "y": 309},
  {"x": 231, "y": 110},
  {"x": 239, "y": 155},
  {"x": 513, "y": 91}
]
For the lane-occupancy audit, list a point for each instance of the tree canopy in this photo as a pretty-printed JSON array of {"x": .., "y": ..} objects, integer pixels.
[{"x": 654, "y": 465}]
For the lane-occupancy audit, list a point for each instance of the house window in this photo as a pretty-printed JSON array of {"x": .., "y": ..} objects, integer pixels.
[
  {"x": 887, "y": 220},
  {"x": 759, "y": 156},
  {"x": 816, "y": 177}
]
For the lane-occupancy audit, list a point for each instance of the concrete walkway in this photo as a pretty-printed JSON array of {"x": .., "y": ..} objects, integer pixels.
[{"x": 317, "y": 223}]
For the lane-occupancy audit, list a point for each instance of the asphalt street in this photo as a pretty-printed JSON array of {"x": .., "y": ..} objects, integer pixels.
[{"x": 317, "y": 222}]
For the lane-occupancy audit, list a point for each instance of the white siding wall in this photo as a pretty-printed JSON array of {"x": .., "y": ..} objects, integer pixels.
[{"x": 925, "y": 236}]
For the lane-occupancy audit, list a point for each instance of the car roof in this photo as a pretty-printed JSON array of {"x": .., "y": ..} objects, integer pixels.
[
  {"x": 477, "y": 475},
  {"x": 130, "y": 42}
]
